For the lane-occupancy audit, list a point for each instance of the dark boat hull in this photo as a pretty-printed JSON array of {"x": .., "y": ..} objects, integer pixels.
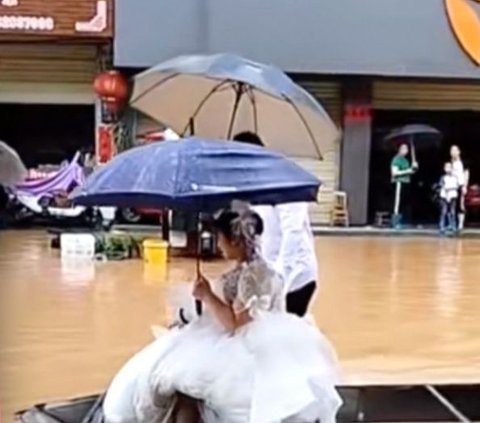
[
  {"x": 80, "y": 410},
  {"x": 366, "y": 404}
]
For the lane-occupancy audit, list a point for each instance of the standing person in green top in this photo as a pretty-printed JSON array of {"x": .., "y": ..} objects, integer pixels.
[{"x": 402, "y": 173}]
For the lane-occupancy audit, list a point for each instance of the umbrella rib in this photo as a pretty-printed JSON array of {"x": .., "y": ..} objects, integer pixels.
[
  {"x": 251, "y": 96},
  {"x": 206, "y": 98},
  {"x": 307, "y": 127},
  {"x": 157, "y": 84}
]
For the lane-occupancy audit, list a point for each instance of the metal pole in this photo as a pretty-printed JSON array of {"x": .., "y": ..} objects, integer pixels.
[
  {"x": 198, "y": 304},
  {"x": 165, "y": 221},
  {"x": 398, "y": 194},
  {"x": 414, "y": 153},
  {"x": 447, "y": 404},
  {"x": 239, "y": 89},
  {"x": 191, "y": 126}
]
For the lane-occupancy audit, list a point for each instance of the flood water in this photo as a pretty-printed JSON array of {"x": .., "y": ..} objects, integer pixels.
[{"x": 397, "y": 310}]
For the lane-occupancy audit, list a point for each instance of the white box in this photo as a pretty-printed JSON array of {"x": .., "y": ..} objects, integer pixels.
[{"x": 77, "y": 245}]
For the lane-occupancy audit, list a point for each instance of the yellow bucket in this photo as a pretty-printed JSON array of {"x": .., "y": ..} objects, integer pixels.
[{"x": 155, "y": 252}]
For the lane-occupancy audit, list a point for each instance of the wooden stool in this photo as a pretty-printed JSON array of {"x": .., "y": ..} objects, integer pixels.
[{"x": 340, "y": 209}]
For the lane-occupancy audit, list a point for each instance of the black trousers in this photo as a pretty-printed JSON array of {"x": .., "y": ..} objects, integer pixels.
[{"x": 298, "y": 301}]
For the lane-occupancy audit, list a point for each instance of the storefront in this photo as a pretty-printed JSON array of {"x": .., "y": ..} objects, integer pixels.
[
  {"x": 49, "y": 55},
  {"x": 452, "y": 107},
  {"x": 372, "y": 64}
]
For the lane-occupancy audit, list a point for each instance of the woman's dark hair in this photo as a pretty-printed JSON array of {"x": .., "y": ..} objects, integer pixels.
[
  {"x": 223, "y": 223},
  {"x": 248, "y": 138}
]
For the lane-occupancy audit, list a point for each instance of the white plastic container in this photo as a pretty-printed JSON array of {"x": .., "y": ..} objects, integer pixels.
[{"x": 77, "y": 246}]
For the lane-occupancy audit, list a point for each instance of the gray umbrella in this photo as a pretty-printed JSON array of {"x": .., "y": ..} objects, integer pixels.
[
  {"x": 415, "y": 134},
  {"x": 12, "y": 169},
  {"x": 223, "y": 94},
  {"x": 411, "y": 131}
]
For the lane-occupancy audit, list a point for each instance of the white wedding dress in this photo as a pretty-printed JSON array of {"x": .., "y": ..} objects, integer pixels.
[{"x": 277, "y": 368}]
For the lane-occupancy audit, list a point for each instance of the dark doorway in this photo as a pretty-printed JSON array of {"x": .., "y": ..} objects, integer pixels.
[
  {"x": 458, "y": 127},
  {"x": 47, "y": 134}
]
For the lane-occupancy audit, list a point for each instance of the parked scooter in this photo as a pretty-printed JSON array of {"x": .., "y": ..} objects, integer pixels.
[{"x": 47, "y": 198}]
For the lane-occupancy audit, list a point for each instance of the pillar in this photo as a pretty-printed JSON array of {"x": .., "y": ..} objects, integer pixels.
[{"x": 356, "y": 147}]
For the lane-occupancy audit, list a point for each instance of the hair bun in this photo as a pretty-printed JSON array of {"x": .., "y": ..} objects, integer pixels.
[
  {"x": 259, "y": 227},
  {"x": 227, "y": 218}
]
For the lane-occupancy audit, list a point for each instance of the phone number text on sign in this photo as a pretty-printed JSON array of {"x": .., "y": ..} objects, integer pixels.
[{"x": 27, "y": 23}]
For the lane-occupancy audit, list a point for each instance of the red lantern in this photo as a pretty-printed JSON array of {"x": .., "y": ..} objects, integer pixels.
[{"x": 112, "y": 88}]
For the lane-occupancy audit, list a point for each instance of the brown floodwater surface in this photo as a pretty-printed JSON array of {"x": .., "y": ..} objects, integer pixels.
[{"x": 399, "y": 310}]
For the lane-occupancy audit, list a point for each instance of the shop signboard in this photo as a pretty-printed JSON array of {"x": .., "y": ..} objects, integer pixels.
[
  {"x": 464, "y": 19},
  {"x": 66, "y": 18},
  {"x": 394, "y": 38}
]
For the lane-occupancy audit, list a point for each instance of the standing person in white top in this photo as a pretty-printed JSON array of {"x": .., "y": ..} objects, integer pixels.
[
  {"x": 287, "y": 243},
  {"x": 449, "y": 186},
  {"x": 461, "y": 171}
]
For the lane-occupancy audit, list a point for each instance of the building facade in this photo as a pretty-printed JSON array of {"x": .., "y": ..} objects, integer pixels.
[
  {"x": 50, "y": 53},
  {"x": 374, "y": 65}
]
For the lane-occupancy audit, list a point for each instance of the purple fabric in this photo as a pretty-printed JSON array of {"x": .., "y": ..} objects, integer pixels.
[{"x": 65, "y": 179}]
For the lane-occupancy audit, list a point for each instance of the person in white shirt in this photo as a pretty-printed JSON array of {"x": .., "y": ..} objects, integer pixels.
[
  {"x": 461, "y": 172},
  {"x": 287, "y": 243},
  {"x": 449, "y": 186}
]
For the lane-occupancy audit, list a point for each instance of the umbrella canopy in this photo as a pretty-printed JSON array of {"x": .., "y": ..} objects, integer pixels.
[
  {"x": 12, "y": 169},
  {"x": 412, "y": 132},
  {"x": 198, "y": 175},
  {"x": 225, "y": 94}
]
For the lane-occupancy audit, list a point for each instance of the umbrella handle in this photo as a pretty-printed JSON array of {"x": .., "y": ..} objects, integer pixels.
[{"x": 198, "y": 303}]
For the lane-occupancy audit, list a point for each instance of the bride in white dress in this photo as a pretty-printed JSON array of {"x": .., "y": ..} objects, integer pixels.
[{"x": 245, "y": 360}]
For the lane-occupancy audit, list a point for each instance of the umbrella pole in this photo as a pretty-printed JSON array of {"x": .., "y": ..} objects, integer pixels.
[
  {"x": 396, "y": 207},
  {"x": 414, "y": 154},
  {"x": 239, "y": 90},
  {"x": 165, "y": 222},
  {"x": 198, "y": 303}
]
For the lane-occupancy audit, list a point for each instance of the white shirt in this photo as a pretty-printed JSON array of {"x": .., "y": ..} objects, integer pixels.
[
  {"x": 449, "y": 187},
  {"x": 170, "y": 134},
  {"x": 287, "y": 243},
  {"x": 458, "y": 170}
]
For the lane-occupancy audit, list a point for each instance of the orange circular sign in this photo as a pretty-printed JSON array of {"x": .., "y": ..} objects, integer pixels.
[{"x": 465, "y": 22}]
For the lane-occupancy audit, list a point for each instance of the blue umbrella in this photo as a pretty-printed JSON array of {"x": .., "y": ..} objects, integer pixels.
[{"x": 197, "y": 175}]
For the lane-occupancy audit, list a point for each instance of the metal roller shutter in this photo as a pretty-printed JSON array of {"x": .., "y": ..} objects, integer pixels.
[
  {"x": 414, "y": 95},
  {"x": 328, "y": 94},
  {"x": 47, "y": 73}
]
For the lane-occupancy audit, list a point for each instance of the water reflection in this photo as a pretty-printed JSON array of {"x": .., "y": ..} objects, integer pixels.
[
  {"x": 155, "y": 274},
  {"x": 397, "y": 310},
  {"x": 77, "y": 272},
  {"x": 448, "y": 262}
]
